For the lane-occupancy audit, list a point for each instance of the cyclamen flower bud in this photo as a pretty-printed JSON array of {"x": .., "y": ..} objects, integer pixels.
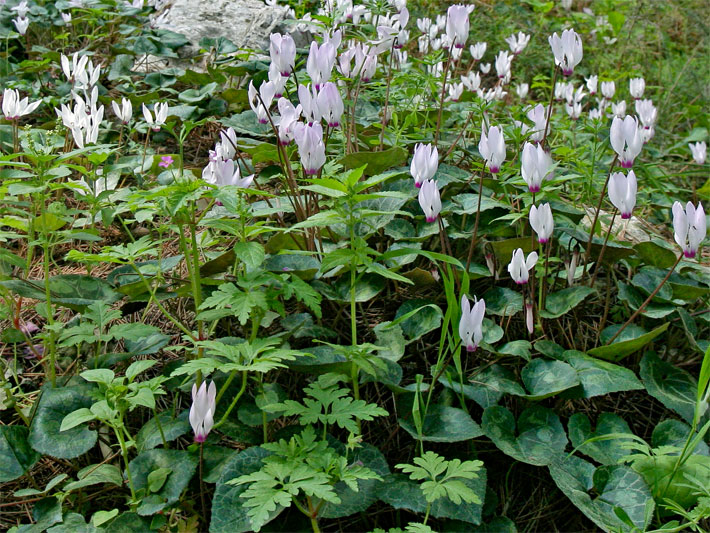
[
  {"x": 626, "y": 139},
  {"x": 529, "y": 323},
  {"x": 592, "y": 82},
  {"x": 519, "y": 267},
  {"x": 424, "y": 163},
  {"x": 622, "y": 192},
  {"x": 567, "y": 50},
  {"x": 542, "y": 222},
  {"x": 690, "y": 227},
  {"x": 492, "y": 147},
  {"x": 202, "y": 410},
  {"x": 430, "y": 200},
  {"x": 522, "y": 90},
  {"x": 471, "y": 323}
]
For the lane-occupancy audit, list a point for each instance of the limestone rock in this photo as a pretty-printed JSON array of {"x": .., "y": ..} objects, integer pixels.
[{"x": 247, "y": 23}]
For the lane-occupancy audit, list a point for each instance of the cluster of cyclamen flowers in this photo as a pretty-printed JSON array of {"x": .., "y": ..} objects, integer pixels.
[{"x": 627, "y": 136}]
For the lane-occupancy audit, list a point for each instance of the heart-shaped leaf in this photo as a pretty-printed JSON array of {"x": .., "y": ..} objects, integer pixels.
[
  {"x": 562, "y": 302},
  {"x": 544, "y": 378},
  {"x": 605, "y": 451},
  {"x": 627, "y": 343},
  {"x": 539, "y": 438},
  {"x": 673, "y": 387},
  {"x": 54, "y": 405},
  {"x": 443, "y": 423},
  {"x": 182, "y": 466},
  {"x": 16, "y": 455},
  {"x": 614, "y": 486}
]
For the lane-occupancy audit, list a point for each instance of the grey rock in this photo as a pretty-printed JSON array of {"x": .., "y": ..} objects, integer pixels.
[{"x": 247, "y": 23}]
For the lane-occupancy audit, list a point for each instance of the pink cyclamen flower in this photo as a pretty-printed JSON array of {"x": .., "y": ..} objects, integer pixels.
[
  {"x": 202, "y": 410},
  {"x": 166, "y": 161}
]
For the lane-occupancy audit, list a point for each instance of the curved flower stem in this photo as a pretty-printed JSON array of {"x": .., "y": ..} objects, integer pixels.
[
  {"x": 202, "y": 483},
  {"x": 549, "y": 107},
  {"x": 596, "y": 216},
  {"x": 387, "y": 99},
  {"x": 601, "y": 253},
  {"x": 475, "y": 225},
  {"x": 644, "y": 304},
  {"x": 443, "y": 94}
]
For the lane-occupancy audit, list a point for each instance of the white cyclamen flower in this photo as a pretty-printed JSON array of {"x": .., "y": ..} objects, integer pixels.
[
  {"x": 690, "y": 227},
  {"x": 519, "y": 267},
  {"x": 535, "y": 166},
  {"x": 14, "y": 107},
  {"x": 517, "y": 43},
  {"x": 424, "y": 163},
  {"x": 637, "y": 87},
  {"x": 542, "y": 222},
  {"x": 699, "y": 151},
  {"x": 430, "y": 200},
  {"x": 471, "y": 323},
  {"x": 202, "y": 410},
  {"x": 567, "y": 50},
  {"x": 622, "y": 192},
  {"x": 161, "y": 115},
  {"x": 124, "y": 112},
  {"x": 492, "y": 147},
  {"x": 626, "y": 139},
  {"x": 457, "y": 25},
  {"x": 282, "y": 49},
  {"x": 608, "y": 89}
]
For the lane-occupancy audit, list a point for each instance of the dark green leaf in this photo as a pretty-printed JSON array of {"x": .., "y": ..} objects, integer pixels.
[
  {"x": 182, "y": 465},
  {"x": 539, "y": 438},
  {"x": 54, "y": 405},
  {"x": 444, "y": 424},
  {"x": 16, "y": 455}
]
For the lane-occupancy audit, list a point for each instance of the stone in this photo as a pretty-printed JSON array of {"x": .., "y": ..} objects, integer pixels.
[{"x": 247, "y": 23}]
